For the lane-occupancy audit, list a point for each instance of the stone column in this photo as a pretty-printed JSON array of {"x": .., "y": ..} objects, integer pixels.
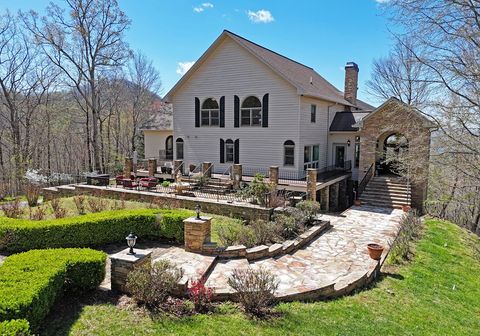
[
  {"x": 333, "y": 199},
  {"x": 176, "y": 166},
  {"x": 207, "y": 168},
  {"x": 128, "y": 168},
  {"x": 236, "y": 175},
  {"x": 197, "y": 232},
  {"x": 342, "y": 195},
  {"x": 312, "y": 184},
  {"x": 152, "y": 167},
  {"x": 324, "y": 199},
  {"x": 123, "y": 263},
  {"x": 274, "y": 175}
]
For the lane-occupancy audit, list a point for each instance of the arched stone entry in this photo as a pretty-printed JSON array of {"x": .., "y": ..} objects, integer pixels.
[
  {"x": 389, "y": 147},
  {"x": 394, "y": 117}
]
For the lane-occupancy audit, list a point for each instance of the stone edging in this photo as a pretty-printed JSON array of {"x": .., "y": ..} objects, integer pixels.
[{"x": 264, "y": 251}]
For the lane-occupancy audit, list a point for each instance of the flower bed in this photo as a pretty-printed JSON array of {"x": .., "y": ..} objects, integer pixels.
[
  {"x": 91, "y": 229},
  {"x": 31, "y": 281}
]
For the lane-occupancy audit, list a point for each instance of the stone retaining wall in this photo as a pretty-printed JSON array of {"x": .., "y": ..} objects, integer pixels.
[
  {"x": 264, "y": 251},
  {"x": 236, "y": 210}
]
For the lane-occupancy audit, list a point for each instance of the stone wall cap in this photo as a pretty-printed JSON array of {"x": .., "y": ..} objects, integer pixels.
[
  {"x": 123, "y": 255},
  {"x": 202, "y": 219}
]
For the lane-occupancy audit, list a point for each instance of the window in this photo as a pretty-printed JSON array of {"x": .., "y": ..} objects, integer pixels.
[
  {"x": 179, "y": 144},
  {"x": 210, "y": 113},
  {"x": 357, "y": 152},
  {"x": 169, "y": 148},
  {"x": 229, "y": 151},
  {"x": 311, "y": 156},
  {"x": 313, "y": 113},
  {"x": 289, "y": 153},
  {"x": 251, "y": 112}
]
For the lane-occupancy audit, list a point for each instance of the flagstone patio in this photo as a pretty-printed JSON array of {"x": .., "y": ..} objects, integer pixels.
[{"x": 336, "y": 263}]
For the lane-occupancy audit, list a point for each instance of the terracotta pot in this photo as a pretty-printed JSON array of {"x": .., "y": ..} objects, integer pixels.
[
  {"x": 357, "y": 202},
  {"x": 375, "y": 251},
  {"x": 406, "y": 208}
]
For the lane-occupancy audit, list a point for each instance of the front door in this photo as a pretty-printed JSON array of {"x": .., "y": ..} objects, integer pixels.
[{"x": 339, "y": 156}]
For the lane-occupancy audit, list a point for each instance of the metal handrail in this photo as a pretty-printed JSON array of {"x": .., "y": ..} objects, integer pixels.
[
  {"x": 363, "y": 183},
  {"x": 176, "y": 170},
  {"x": 229, "y": 170}
]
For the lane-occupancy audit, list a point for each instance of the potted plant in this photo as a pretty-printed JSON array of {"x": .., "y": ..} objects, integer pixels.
[{"x": 375, "y": 251}]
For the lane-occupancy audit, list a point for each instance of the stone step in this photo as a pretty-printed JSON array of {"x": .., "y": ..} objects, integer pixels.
[
  {"x": 384, "y": 205},
  {"x": 383, "y": 202},
  {"x": 381, "y": 193},
  {"x": 382, "y": 183},
  {"x": 388, "y": 188},
  {"x": 367, "y": 195}
]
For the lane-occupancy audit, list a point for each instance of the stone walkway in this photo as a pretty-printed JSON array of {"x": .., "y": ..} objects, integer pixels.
[{"x": 334, "y": 264}]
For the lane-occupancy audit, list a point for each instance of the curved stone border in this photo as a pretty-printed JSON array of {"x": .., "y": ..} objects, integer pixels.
[{"x": 264, "y": 251}]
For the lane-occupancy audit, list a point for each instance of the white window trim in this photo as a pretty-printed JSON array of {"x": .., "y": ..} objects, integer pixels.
[
  {"x": 312, "y": 163},
  {"x": 284, "y": 156},
  {"x": 313, "y": 107},
  {"x": 250, "y": 110},
  {"x": 209, "y": 111}
]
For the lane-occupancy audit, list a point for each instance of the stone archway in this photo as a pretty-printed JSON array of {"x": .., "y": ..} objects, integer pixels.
[
  {"x": 394, "y": 117},
  {"x": 390, "y": 146}
]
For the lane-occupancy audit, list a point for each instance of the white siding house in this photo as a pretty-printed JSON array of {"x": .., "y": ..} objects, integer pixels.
[{"x": 297, "y": 108}]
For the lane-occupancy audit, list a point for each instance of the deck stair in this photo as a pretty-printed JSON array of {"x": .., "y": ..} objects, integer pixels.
[
  {"x": 389, "y": 192},
  {"x": 212, "y": 185}
]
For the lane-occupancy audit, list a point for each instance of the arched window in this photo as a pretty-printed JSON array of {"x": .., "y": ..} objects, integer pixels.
[
  {"x": 395, "y": 144},
  {"x": 229, "y": 151},
  {"x": 251, "y": 112},
  {"x": 179, "y": 144},
  {"x": 289, "y": 153},
  {"x": 169, "y": 148},
  {"x": 210, "y": 113}
]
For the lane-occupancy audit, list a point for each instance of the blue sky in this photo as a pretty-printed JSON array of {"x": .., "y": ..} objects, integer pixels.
[{"x": 319, "y": 33}]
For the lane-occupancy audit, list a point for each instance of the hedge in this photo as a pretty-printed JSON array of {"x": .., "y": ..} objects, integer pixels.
[
  {"x": 92, "y": 229},
  {"x": 15, "y": 328},
  {"x": 31, "y": 281}
]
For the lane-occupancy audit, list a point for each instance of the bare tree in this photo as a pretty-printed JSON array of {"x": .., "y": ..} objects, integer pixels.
[
  {"x": 400, "y": 75},
  {"x": 145, "y": 84},
  {"x": 84, "y": 41}
]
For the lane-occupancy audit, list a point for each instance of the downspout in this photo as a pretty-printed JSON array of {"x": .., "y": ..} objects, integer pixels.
[{"x": 328, "y": 130}]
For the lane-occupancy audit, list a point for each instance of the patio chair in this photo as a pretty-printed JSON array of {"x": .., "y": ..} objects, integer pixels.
[
  {"x": 130, "y": 184},
  {"x": 148, "y": 183},
  {"x": 119, "y": 179},
  {"x": 167, "y": 168}
]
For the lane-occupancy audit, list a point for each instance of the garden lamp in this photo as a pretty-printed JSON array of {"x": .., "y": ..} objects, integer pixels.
[
  {"x": 131, "y": 240},
  {"x": 197, "y": 210}
]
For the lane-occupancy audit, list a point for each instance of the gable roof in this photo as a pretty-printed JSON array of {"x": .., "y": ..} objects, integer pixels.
[
  {"x": 305, "y": 79},
  {"x": 161, "y": 119},
  {"x": 345, "y": 121},
  {"x": 392, "y": 100}
]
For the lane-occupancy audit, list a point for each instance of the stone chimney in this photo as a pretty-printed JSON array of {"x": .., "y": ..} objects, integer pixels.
[{"x": 351, "y": 82}]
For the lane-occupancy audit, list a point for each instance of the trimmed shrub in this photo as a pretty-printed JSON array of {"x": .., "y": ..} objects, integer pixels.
[
  {"x": 31, "y": 281},
  {"x": 15, "y": 328},
  {"x": 310, "y": 209},
  {"x": 12, "y": 209},
  {"x": 91, "y": 229}
]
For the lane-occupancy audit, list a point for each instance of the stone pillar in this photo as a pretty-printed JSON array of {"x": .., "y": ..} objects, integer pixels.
[
  {"x": 342, "y": 195},
  {"x": 128, "y": 168},
  {"x": 176, "y": 166},
  {"x": 324, "y": 199},
  {"x": 312, "y": 184},
  {"x": 236, "y": 175},
  {"x": 152, "y": 167},
  {"x": 207, "y": 168},
  {"x": 197, "y": 232},
  {"x": 123, "y": 263},
  {"x": 333, "y": 199},
  {"x": 274, "y": 175}
]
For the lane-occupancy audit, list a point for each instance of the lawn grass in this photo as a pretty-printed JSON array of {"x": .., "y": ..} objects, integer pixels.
[{"x": 438, "y": 293}]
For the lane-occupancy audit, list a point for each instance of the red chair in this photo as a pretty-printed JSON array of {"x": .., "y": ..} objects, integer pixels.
[
  {"x": 129, "y": 184},
  {"x": 148, "y": 183},
  {"x": 119, "y": 179}
]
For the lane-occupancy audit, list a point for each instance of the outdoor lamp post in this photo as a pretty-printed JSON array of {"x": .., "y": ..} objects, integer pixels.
[
  {"x": 197, "y": 210},
  {"x": 131, "y": 240}
]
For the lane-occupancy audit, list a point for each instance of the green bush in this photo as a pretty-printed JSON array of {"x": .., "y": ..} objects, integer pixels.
[
  {"x": 31, "y": 281},
  {"x": 91, "y": 229},
  {"x": 15, "y": 328}
]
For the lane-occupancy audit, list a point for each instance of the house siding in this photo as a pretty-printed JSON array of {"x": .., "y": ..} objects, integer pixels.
[
  {"x": 228, "y": 71},
  {"x": 155, "y": 142}
]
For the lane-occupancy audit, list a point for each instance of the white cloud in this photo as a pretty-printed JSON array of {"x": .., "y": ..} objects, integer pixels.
[
  {"x": 260, "y": 16},
  {"x": 182, "y": 67},
  {"x": 202, "y": 7},
  {"x": 382, "y": 1}
]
